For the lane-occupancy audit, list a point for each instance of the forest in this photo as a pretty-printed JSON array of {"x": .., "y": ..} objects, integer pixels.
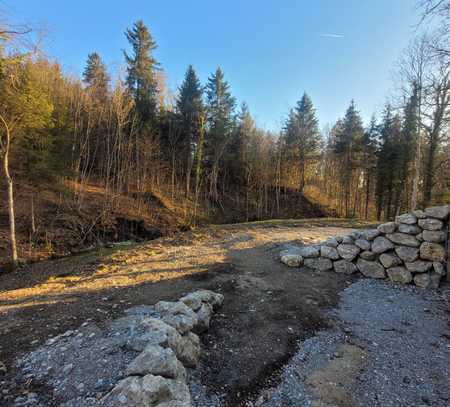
[{"x": 131, "y": 142}]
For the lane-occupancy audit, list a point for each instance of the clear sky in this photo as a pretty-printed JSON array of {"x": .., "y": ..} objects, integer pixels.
[{"x": 270, "y": 50}]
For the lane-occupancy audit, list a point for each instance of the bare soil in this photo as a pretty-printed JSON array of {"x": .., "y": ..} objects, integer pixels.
[{"x": 268, "y": 307}]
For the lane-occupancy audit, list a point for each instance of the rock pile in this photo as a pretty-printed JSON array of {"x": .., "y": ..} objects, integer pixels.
[
  {"x": 409, "y": 250},
  {"x": 137, "y": 360}
]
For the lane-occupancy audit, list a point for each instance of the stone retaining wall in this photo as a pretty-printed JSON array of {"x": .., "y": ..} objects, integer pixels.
[{"x": 410, "y": 250}]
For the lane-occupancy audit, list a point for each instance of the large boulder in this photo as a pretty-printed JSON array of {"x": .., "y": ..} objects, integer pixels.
[
  {"x": 348, "y": 251},
  {"x": 438, "y": 212},
  {"x": 147, "y": 391},
  {"x": 399, "y": 275},
  {"x": 329, "y": 253},
  {"x": 381, "y": 245},
  {"x": 292, "y": 260},
  {"x": 409, "y": 229},
  {"x": 195, "y": 299},
  {"x": 371, "y": 269},
  {"x": 388, "y": 227},
  {"x": 363, "y": 244},
  {"x": 407, "y": 218},
  {"x": 433, "y": 236},
  {"x": 178, "y": 315},
  {"x": 403, "y": 239},
  {"x": 431, "y": 224},
  {"x": 389, "y": 260},
  {"x": 419, "y": 266},
  {"x": 319, "y": 264},
  {"x": 368, "y": 255},
  {"x": 187, "y": 349},
  {"x": 204, "y": 315},
  {"x": 344, "y": 267},
  {"x": 407, "y": 254},
  {"x": 332, "y": 242},
  {"x": 308, "y": 252},
  {"x": 432, "y": 252},
  {"x": 369, "y": 234},
  {"x": 157, "y": 361},
  {"x": 419, "y": 214}
]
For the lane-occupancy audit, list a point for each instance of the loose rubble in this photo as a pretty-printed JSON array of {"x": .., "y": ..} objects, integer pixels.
[
  {"x": 138, "y": 360},
  {"x": 409, "y": 250}
]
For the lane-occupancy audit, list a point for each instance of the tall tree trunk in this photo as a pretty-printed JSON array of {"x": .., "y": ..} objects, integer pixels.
[{"x": 9, "y": 182}]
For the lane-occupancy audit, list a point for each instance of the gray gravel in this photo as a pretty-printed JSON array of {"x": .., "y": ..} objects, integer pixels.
[
  {"x": 402, "y": 333},
  {"x": 403, "y": 330}
]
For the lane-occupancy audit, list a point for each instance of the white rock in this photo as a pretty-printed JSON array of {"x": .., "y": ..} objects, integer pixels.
[
  {"x": 439, "y": 212},
  {"x": 389, "y": 260},
  {"x": 369, "y": 234},
  {"x": 371, "y": 269},
  {"x": 381, "y": 245},
  {"x": 178, "y": 315},
  {"x": 363, "y": 244},
  {"x": 431, "y": 224},
  {"x": 348, "y": 251},
  {"x": 309, "y": 251},
  {"x": 407, "y": 218},
  {"x": 329, "y": 252},
  {"x": 292, "y": 260},
  {"x": 407, "y": 254},
  {"x": 433, "y": 236},
  {"x": 344, "y": 267},
  {"x": 403, "y": 239},
  {"x": 399, "y": 275},
  {"x": 319, "y": 264},
  {"x": 388, "y": 227},
  {"x": 419, "y": 266},
  {"x": 409, "y": 229}
]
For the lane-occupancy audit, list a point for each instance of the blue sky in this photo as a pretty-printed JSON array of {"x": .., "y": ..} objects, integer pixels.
[{"x": 270, "y": 50}]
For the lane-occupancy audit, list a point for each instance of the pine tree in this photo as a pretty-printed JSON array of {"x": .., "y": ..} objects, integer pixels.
[
  {"x": 96, "y": 77},
  {"x": 369, "y": 160},
  {"x": 220, "y": 111},
  {"x": 348, "y": 146},
  {"x": 189, "y": 106},
  {"x": 141, "y": 68},
  {"x": 308, "y": 137}
]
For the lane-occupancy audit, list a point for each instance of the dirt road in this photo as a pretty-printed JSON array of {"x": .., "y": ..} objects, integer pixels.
[{"x": 268, "y": 307}]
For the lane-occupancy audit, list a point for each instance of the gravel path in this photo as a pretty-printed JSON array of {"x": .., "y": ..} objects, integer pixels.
[{"x": 389, "y": 347}]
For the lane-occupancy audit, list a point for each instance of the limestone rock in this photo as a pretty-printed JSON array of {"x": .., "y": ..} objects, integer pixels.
[
  {"x": 138, "y": 391},
  {"x": 369, "y": 234},
  {"x": 409, "y": 229},
  {"x": 389, "y": 260},
  {"x": 403, "y": 239},
  {"x": 422, "y": 280},
  {"x": 368, "y": 255},
  {"x": 309, "y": 252},
  {"x": 195, "y": 299},
  {"x": 187, "y": 349},
  {"x": 432, "y": 251},
  {"x": 319, "y": 264},
  {"x": 157, "y": 361},
  {"x": 348, "y": 251},
  {"x": 439, "y": 268},
  {"x": 292, "y": 260},
  {"x": 419, "y": 214},
  {"x": 371, "y": 269},
  {"x": 153, "y": 331},
  {"x": 329, "y": 253},
  {"x": 332, "y": 242},
  {"x": 347, "y": 239},
  {"x": 381, "y": 245},
  {"x": 344, "y": 267},
  {"x": 204, "y": 315},
  {"x": 407, "y": 218},
  {"x": 431, "y": 224},
  {"x": 178, "y": 315},
  {"x": 433, "y": 236},
  {"x": 399, "y": 275},
  {"x": 435, "y": 280},
  {"x": 388, "y": 227},
  {"x": 407, "y": 254},
  {"x": 419, "y": 266},
  {"x": 439, "y": 212},
  {"x": 363, "y": 244}
]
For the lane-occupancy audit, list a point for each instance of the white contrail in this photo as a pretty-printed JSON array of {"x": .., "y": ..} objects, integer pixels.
[{"x": 332, "y": 35}]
